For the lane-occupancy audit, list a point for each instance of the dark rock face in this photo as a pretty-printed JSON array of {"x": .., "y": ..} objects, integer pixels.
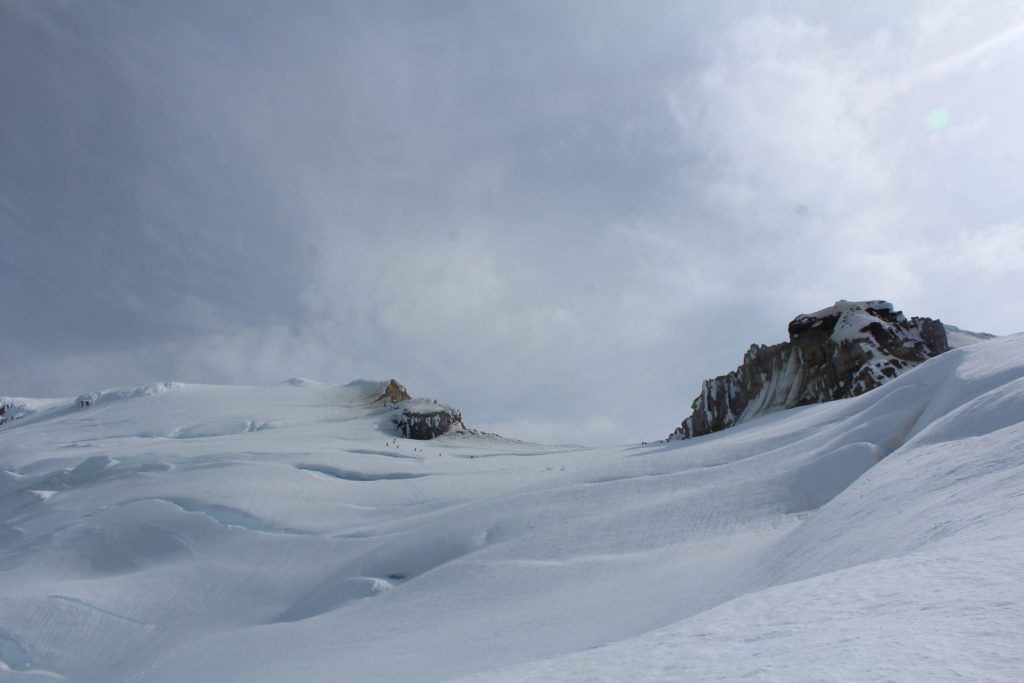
[
  {"x": 425, "y": 419},
  {"x": 841, "y": 351}
]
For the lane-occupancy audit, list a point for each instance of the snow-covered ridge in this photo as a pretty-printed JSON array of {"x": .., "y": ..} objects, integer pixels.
[
  {"x": 840, "y": 351},
  {"x": 126, "y": 393},
  {"x": 414, "y": 418},
  {"x": 16, "y": 408}
]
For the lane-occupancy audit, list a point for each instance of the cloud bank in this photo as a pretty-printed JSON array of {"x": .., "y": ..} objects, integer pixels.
[{"x": 559, "y": 217}]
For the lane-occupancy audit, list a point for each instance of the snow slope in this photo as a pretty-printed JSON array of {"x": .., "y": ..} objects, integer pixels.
[
  {"x": 207, "y": 533},
  {"x": 958, "y": 338}
]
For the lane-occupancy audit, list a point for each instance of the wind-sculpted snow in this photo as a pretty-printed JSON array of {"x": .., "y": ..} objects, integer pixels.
[
  {"x": 349, "y": 475},
  {"x": 150, "y": 389},
  {"x": 14, "y": 408},
  {"x": 868, "y": 538}
]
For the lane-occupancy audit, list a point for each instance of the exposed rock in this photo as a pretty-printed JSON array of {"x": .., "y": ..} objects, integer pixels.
[
  {"x": 394, "y": 393},
  {"x": 13, "y": 409},
  {"x": 421, "y": 418},
  {"x": 427, "y": 419},
  {"x": 838, "y": 352}
]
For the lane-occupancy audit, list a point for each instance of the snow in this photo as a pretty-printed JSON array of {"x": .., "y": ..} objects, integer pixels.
[
  {"x": 15, "y": 408},
  {"x": 853, "y": 317},
  {"x": 209, "y": 533},
  {"x": 958, "y": 338}
]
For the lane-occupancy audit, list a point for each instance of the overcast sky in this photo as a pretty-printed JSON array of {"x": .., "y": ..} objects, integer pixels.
[{"x": 557, "y": 216}]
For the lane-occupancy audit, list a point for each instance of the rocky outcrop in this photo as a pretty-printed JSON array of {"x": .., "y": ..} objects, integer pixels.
[
  {"x": 13, "y": 409},
  {"x": 838, "y": 352},
  {"x": 427, "y": 419},
  {"x": 421, "y": 418},
  {"x": 393, "y": 393}
]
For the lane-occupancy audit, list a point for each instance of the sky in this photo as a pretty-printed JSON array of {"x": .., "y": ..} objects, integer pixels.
[{"x": 558, "y": 217}]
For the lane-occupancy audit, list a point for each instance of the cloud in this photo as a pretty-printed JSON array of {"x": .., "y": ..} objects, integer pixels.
[
  {"x": 807, "y": 145},
  {"x": 949, "y": 65},
  {"x": 559, "y": 218},
  {"x": 995, "y": 250}
]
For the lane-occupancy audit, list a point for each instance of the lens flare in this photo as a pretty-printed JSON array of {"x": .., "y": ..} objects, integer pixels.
[{"x": 937, "y": 119}]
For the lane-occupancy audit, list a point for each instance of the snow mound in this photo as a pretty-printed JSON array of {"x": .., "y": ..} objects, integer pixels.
[
  {"x": 300, "y": 382},
  {"x": 368, "y": 390},
  {"x": 15, "y": 408},
  {"x": 332, "y": 596},
  {"x": 210, "y": 428}
]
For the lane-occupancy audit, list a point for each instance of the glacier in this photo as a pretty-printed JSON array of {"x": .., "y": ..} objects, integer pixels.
[{"x": 182, "y": 532}]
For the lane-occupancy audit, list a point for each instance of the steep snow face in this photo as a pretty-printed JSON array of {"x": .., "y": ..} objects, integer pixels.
[
  {"x": 841, "y": 351},
  {"x": 873, "y": 537},
  {"x": 959, "y": 338}
]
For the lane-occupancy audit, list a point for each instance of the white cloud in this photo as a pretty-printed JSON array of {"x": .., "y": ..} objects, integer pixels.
[{"x": 997, "y": 249}]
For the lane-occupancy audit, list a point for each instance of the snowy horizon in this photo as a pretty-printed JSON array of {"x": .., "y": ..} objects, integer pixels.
[{"x": 559, "y": 218}]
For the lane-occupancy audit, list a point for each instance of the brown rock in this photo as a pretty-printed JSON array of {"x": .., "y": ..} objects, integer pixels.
[{"x": 394, "y": 393}]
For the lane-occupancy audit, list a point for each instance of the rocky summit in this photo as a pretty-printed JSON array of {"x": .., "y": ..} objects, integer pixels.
[
  {"x": 838, "y": 352},
  {"x": 427, "y": 419},
  {"x": 422, "y": 418}
]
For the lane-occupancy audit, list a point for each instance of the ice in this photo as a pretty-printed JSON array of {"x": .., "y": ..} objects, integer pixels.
[{"x": 12, "y": 655}]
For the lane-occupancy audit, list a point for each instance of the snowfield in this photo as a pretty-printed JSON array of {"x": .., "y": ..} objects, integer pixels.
[{"x": 178, "y": 532}]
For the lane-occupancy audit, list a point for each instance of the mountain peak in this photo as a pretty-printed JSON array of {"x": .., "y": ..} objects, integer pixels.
[{"x": 840, "y": 351}]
